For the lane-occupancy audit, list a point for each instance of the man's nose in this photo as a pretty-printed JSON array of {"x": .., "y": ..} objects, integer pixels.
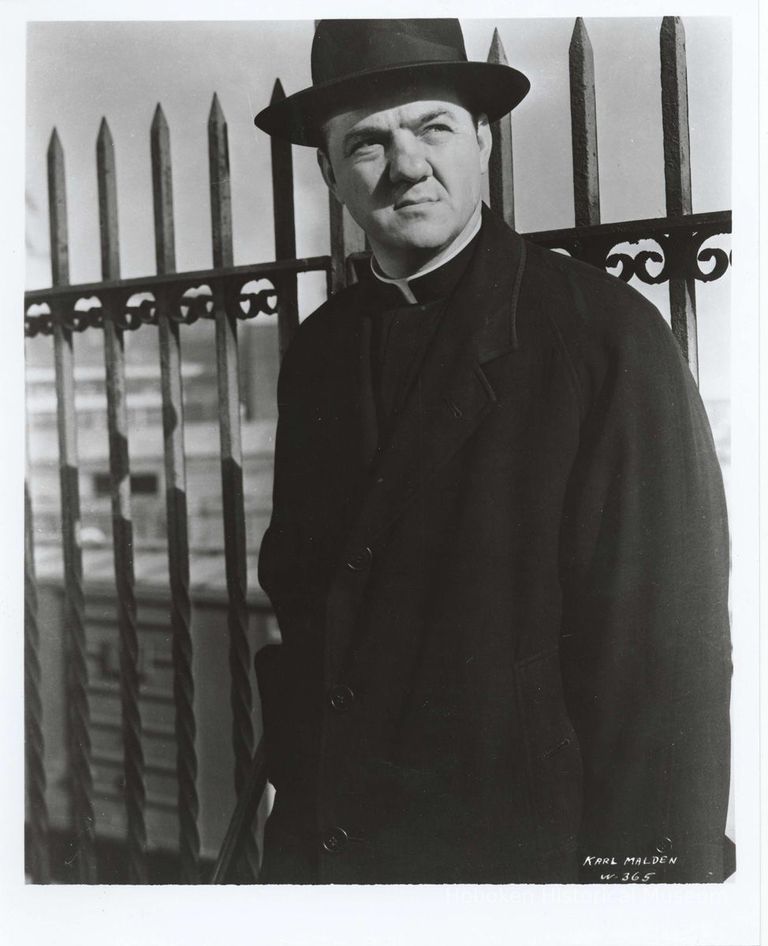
[{"x": 407, "y": 161}]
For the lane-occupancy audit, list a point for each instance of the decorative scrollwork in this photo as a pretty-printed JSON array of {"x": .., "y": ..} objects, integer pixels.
[
  {"x": 624, "y": 261},
  {"x": 243, "y": 291},
  {"x": 195, "y": 302},
  {"x": 140, "y": 309},
  {"x": 85, "y": 313},
  {"x": 720, "y": 258},
  {"x": 644, "y": 274},
  {"x": 676, "y": 251},
  {"x": 38, "y": 320},
  {"x": 252, "y": 301},
  {"x": 75, "y": 315},
  {"x": 244, "y": 301},
  {"x": 681, "y": 257},
  {"x": 677, "y": 256}
]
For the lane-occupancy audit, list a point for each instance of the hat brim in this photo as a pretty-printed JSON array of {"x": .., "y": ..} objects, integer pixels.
[{"x": 488, "y": 87}]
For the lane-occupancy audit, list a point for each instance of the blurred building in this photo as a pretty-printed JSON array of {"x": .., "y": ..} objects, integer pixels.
[{"x": 258, "y": 375}]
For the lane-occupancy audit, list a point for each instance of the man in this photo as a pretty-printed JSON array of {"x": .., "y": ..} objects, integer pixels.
[{"x": 498, "y": 552}]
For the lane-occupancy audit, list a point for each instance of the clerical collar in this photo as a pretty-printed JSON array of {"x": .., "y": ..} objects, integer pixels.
[{"x": 440, "y": 275}]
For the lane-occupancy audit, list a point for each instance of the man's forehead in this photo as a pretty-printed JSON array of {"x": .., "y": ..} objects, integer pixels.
[{"x": 396, "y": 107}]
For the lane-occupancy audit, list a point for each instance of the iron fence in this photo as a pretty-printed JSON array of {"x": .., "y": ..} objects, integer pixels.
[{"x": 228, "y": 294}]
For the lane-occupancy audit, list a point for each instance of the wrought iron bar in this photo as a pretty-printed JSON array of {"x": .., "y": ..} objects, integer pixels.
[
  {"x": 79, "y": 775},
  {"x": 122, "y": 526},
  {"x": 176, "y": 508},
  {"x": 37, "y": 810},
  {"x": 677, "y": 175},
  {"x": 162, "y": 193},
  {"x": 346, "y": 238},
  {"x": 719, "y": 221},
  {"x": 243, "y": 816},
  {"x": 285, "y": 231},
  {"x": 586, "y": 184},
  {"x": 501, "y": 182},
  {"x": 231, "y": 469}
]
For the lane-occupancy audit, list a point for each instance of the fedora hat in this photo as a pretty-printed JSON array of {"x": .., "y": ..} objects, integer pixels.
[{"x": 353, "y": 59}]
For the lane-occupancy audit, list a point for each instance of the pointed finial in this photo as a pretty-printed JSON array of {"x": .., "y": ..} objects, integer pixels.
[
  {"x": 672, "y": 27},
  {"x": 158, "y": 119},
  {"x": 106, "y": 179},
  {"x": 162, "y": 192},
  {"x": 216, "y": 115},
  {"x": 218, "y": 174},
  {"x": 496, "y": 53},
  {"x": 580, "y": 37},
  {"x": 104, "y": 138},
  {"x": 57, "y": 212},
  {"x": 54, "y": 142},
  {"x": 278, "y": 93}
]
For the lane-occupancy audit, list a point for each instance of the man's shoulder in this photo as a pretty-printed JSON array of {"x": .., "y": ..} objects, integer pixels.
[
  {"x": 586, "y": 304},
  {"x": 599, "y": 300},
  {"x": 329, "y": 318},
  {"x": 321, "y": 338},
  {"x": 601, "y": 322}
]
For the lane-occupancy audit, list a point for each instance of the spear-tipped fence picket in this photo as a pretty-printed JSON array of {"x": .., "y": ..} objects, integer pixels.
[{"x": 178, "y": 300}]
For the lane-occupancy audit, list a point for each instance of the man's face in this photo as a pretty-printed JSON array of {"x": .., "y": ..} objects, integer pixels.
[{"x": 409, "y": 167}]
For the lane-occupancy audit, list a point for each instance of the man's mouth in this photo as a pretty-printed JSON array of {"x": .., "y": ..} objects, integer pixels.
[{"x": 413, "y": 202}]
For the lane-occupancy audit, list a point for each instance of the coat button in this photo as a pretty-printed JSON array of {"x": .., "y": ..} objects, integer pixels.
[
  {"x": 360, "y": 560},
  {"x": 335, "y": 840},
  {"x": 341, "y": 697}
]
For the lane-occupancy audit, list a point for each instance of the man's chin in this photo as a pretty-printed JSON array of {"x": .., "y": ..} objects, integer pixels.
[{"x": 422, "y": 235}]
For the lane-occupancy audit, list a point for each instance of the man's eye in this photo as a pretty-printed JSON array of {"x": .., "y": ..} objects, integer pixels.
[
  {"x": 436, "y": 127},
  {"x": 362, "y": 146}
]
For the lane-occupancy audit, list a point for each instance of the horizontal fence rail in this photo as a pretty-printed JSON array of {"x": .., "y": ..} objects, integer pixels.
[
  {"x": 680, "y": 254},
  {"x": 188, "y": 296},
  {"x": 679, "y": 250}
]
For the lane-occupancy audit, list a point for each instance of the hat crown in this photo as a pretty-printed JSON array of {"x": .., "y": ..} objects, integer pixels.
[
  {"x": 355, "y": 59},
  {"x": 351, "y": 47}
]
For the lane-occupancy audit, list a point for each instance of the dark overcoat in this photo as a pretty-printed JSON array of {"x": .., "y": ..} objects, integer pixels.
[{"x": 505, "y": 645}]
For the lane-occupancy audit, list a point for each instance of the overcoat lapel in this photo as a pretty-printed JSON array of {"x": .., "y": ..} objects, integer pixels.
[{"x": 445, "y": 406}]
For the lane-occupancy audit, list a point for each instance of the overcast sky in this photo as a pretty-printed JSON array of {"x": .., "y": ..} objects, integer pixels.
[{"x": 78, "y": 72}]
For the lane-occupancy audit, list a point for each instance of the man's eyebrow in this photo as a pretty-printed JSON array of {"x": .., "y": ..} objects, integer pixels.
[
  {"x": 362, "y": 131},
  {"x": 431, "y": 116},
  {"x": 373, "y": 130}
]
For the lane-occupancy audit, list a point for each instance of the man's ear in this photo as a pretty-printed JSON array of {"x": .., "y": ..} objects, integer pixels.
[
  {"x": 484, "y": 140},
  {"x": 327, "y": 171}
]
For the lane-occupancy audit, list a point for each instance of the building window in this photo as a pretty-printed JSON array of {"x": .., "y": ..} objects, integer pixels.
[{"x": 142, "y": 484}]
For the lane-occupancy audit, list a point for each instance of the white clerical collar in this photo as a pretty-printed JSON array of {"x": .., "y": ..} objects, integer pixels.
[{"x": 453, "y": 249}]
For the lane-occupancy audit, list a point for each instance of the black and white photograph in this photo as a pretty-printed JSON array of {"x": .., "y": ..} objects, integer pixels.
[{"x": 387, "y": 421}]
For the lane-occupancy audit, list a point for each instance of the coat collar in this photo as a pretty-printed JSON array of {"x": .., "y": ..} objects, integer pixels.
[
  {"x": 437, "y": 284},
  {"x": 453, "y": 394}
]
